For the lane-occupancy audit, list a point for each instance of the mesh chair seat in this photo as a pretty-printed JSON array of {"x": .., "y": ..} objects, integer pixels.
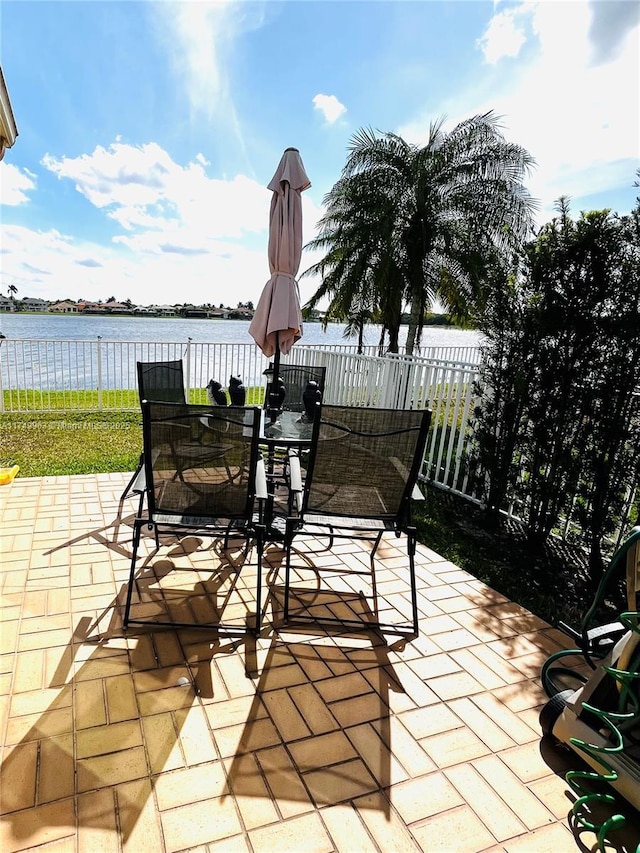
[
  {"x": 190, "y": 493},
  {"x": 361, "y": 477}
]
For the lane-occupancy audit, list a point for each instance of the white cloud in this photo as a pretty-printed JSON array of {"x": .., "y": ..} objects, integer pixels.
[
  {"x": 15, "y": 184},
  {"x": 141, "y": 187},
  {"x": 579, "y": 121},
  {"x": 330, "y": 107},
  {"x": 503, "y": 37},
  {"x": 184, "y": 237}
]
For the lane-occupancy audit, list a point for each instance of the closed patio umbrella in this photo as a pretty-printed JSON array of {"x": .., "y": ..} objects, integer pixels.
[{"x": 277, "y": 322}]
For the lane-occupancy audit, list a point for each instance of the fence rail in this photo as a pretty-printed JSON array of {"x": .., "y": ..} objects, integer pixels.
[{"x": 39, "y": 375}]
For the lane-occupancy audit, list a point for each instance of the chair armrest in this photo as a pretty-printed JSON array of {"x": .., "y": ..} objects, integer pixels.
[
  {"x": 261, "y": 481},
  {"x": 139, "y": 484},
  {"x": 295, "y": 479}
]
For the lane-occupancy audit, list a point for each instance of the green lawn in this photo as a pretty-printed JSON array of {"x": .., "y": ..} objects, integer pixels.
[
  {"x": 49, "y": 443},
  {"x": 117, "y": 400}
]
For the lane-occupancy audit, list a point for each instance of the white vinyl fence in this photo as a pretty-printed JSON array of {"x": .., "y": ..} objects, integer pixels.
[{"x": 48, "y": 375}]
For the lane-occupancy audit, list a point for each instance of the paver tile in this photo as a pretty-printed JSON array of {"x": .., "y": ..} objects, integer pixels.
[
  {"x": 178, "y": 741},
  {"x": 490, "y": 808},
  {"x": 531, "y": 812},
  {"x": 98, "y": 822},
  {"x": 322, "y": 750},
  {"x": 191, "y": 784},
  {"x": 421, "y": 798},
  {"x": 56, "y": 779},
  {"x": 549, "y": 839},
  {"x": 386, "y": 827},
  {"x": 456, "y": 831},
  {"x": 18, "y": 778},
  {"x": 250, "y": 792},
  {"x": 346, "y": 829},
  {"x": 28, "y": 829},
  {"x": 454, "y": 747},
  {"x": 304, "y": 834}
]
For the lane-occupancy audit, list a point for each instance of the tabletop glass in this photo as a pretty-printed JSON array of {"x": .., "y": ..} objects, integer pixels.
[{"x": 291, "y": 428}]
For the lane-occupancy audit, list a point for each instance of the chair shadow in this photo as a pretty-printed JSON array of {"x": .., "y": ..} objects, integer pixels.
[
  {"x": 105, "y": 683},
  {"x": 318, "y": 731},
  {"x": 100, "y": 533}
]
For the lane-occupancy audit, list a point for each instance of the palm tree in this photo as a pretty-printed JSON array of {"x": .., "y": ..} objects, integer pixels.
[
  {"x": 12, "y": 290},
  {"x": 406, "y": 225}
]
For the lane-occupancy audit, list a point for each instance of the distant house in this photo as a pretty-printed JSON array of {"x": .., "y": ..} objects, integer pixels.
[
  {"x": 64, "y": 308},
  {"x": 91, "y": 307},
  {"x": 221, "y": 313},
  {"x": 6, "y": 304},
  {"x": 164, "y": 310},
  {"x": 241, "y": 313},
  {"x": 31, "y": 303},
  {"x": 117, "y": 308}
]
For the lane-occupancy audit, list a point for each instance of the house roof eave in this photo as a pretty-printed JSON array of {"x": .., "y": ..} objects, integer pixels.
[{"x": 8, "y": 128}]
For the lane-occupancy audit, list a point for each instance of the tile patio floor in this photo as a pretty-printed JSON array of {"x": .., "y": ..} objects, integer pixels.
[{"x": 170, "y": 741}]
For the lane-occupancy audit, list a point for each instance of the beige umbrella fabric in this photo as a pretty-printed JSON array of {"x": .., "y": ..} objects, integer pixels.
[{"x": 277, "y": 322}]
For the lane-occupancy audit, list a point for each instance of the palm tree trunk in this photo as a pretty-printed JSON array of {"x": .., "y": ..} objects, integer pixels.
[{"x": 414, "y": 322}]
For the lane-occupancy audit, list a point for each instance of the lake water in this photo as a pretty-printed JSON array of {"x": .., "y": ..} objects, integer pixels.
[{"x": 174, "y": 329}]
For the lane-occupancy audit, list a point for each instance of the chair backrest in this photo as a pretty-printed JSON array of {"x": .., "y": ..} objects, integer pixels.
[
  {"x": 200, "y": 462},
  {"x": 161, "y": 381},
  {"x": 295, "y": 378},
  {"x": 365, "y": 462}
]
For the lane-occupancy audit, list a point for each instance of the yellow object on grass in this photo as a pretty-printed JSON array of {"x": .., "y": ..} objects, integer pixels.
[{"x": 7, "y": 474}]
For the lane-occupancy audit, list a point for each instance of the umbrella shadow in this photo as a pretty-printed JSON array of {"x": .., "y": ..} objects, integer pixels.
[{"x": 318, "y": 732}]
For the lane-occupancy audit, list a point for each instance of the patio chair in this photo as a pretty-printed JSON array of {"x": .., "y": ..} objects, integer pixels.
[
  {"x": 360, "y": 482},
  {"x": 295, "y": 378},
  {"x": 189, "y": 492},
  {"x": 158, "y": 381}
]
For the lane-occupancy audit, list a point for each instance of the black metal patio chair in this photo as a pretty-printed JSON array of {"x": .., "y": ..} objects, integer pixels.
[
  {"x": 158, "y": 381},
  {"x": 296, "y": 377},
  {"x": 360, "y": 482},
  {"x": 189, "y": 492}
]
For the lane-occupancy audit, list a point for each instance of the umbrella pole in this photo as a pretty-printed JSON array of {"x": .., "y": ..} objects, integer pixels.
[
  {"x": 276, "y": 361},
  {"x": 275, "y": 399}
]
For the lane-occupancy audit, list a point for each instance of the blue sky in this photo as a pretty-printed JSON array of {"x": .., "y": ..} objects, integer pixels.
[{"x": 149, "y": 130}]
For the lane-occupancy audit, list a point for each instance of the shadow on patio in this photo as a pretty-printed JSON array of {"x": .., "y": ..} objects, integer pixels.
[{"x": 177, "y": 740}]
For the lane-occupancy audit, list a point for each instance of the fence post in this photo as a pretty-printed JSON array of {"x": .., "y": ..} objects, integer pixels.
[
  {"x": 99, "y": 364},
  {"x": 1, "y": 385},
  {"x": 188, "y": 370}
]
